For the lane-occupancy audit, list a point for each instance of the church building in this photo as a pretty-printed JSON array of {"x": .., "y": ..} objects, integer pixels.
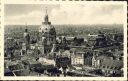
[{"x": 47, "y": 35}]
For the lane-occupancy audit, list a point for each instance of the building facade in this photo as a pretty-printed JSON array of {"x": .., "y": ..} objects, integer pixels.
[{"x": 77, "y": 57}]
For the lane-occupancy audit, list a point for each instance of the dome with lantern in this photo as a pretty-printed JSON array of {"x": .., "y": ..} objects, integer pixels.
[
  {"x": 47, "y": 30},
  {"x": 46, "y": 26}
]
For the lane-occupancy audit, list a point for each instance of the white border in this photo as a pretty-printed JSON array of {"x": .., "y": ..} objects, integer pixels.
[{"x": 62, "y": 2}]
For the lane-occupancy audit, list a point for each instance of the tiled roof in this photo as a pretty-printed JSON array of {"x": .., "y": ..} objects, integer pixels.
[
  {"x": 78, "y": 50},
  {"x": 110, "y": 63},
  {"x": 113, "y": 64}
]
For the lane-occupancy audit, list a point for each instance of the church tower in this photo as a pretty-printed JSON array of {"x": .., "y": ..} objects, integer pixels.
[
  {"x": 26, "y": 43},
  {"x": 26, "y": 36},
  {"x": 47, "y": 34}
]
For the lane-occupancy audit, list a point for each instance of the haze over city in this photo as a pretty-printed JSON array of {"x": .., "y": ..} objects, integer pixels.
[{"x": 64, "y": 14}]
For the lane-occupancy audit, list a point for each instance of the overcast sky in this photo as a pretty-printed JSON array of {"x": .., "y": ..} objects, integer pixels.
[{"x": 64, "y": 14}]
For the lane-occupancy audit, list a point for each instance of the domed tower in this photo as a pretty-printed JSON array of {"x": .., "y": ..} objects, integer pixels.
[
  {"x": 47, "y": 36},
  {"x": 48, "y": 31}
]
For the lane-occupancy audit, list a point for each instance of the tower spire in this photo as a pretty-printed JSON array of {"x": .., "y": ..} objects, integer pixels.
[{"x": 46, "y": 16}]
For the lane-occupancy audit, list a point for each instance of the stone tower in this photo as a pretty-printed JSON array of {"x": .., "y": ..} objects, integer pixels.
[{"x": 26, "y": 43}]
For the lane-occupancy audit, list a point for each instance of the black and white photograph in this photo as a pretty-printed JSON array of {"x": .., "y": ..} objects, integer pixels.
[{"x": 64, "y": 40}]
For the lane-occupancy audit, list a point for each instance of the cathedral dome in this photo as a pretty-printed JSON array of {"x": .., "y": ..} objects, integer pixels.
[{"x": 46, "y": 28}]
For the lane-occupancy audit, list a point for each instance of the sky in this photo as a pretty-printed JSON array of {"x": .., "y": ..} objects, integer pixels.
[{"x": 19, "y": 14}]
